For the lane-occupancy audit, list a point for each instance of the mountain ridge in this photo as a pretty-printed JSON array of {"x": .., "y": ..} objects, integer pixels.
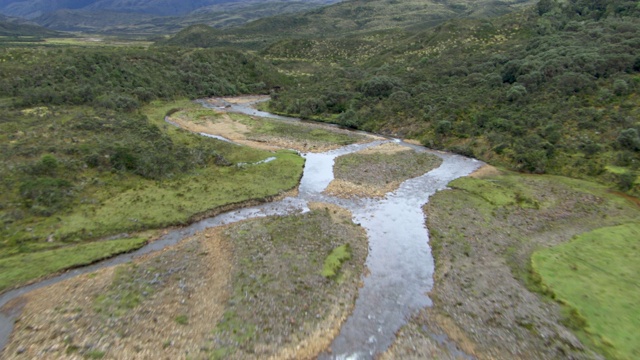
[
  {"x": 148, "y": 16},
  {"x": 348, "y": 18}
]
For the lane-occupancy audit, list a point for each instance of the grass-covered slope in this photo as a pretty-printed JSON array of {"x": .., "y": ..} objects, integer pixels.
[
  {"x": 596, "y": 276},
  {"x": 74, "y": 173},
  {"x": 551, "y": 89},
  {"x": 26, "y": 267},
  {"x": 86, "y": 152}
]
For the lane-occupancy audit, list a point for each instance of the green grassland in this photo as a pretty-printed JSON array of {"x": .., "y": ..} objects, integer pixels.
[
  {"x": 23, "y": 268},
  {"x": 265, "y": 128},
  {"x": 597, "y": 275}
]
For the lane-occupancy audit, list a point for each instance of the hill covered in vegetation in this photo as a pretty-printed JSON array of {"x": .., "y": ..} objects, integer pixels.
[
  {"x": 147, "y": 17},
  {"x": 80, "y": 144},
  {"x": 550, "y": 89},
  {"x": 348, "y": 18},
  {"x": 16, "y": 27}
]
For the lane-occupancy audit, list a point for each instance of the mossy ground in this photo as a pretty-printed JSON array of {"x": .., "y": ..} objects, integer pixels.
[
  {"x": 333, "y": 262},
  {"x": 280, "y": 290},
  {"x": 313, "y": 134},
  {"x": 27, "y": 267},
  {"x": 376, "y": 171},
  {"x": 379, "y": 168}
]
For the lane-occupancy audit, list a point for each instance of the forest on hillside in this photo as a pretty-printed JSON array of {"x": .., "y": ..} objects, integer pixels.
[
  {"x": 73, "y": 114},
  {"x": 552, "y": 89}
]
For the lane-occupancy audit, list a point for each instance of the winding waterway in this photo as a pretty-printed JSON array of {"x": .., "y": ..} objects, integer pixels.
[{"x": 400, "y": 261}]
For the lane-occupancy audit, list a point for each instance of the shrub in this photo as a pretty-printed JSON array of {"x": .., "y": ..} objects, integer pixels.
[
  {"x": 620, "y": 87},
  {"x": 45, "y": 194},
  {"x": 379, "y": 86},
  {"x": 629, "y": 139},
  {"x": 516, "y": 92}
]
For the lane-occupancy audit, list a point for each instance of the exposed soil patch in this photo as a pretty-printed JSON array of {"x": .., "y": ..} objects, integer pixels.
[
  {"x": 249, "y": 290},
  {"x": 247, "y": 99},
  {"x": 485, "y": 171},
  {"x": 222, "y": 125},
  {"x": 267, "y": 133},
  {"x": 483, "y": 233},
  {"x": 161, "y": 306},
  {"x": 376, "y": 171}
]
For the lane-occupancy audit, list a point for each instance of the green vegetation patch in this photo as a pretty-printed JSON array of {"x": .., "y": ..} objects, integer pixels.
[
  {"x": 379, "y": 169},
  {"x": 198, "y": 116},
  {"x": 598, "y": 276},
  {"x": 279, "y": 291},
  {"x": 506, "y": 191},
  {"x": 153, "y": 204},
  {"x": 531, "y": 105},
  {"x": 127, "y": 290},
  {"x": 23, "y": 268},
  {"x": 333, "y": 262},
  {"x": 75, "y": 173}
]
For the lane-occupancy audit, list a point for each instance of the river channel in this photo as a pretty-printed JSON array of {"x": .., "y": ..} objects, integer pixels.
[{"x": 400, "y": 262}]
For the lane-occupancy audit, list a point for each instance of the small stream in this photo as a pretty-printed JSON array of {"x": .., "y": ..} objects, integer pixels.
[{"x": 400, "y": 262}]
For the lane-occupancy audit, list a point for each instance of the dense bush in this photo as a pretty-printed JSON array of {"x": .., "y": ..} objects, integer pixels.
[
  {"x": 122, "y": 79},
  {"x": 550, "y": 89}
]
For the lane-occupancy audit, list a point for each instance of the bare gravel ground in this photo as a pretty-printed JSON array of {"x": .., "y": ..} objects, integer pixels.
[{"x": 483, "y": 234}]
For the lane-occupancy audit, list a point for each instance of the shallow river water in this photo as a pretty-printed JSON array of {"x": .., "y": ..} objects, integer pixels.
[{"x": 400, "y": 263}]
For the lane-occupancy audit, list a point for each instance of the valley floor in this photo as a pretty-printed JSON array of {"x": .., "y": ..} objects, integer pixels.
[{"x": 255, "y": 290}]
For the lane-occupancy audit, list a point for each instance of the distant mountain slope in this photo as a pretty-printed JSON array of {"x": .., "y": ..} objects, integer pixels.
[
  {"x": 149, "y": 16},
  {"x": 18, "y": 27},
  {"x": 371, "y": 15},
  {"x": 30, "y": 9},
  {"x": 351, "y": 17},
  {"x": 33, "y": 8},
  {"x": 219, "y": 16}
]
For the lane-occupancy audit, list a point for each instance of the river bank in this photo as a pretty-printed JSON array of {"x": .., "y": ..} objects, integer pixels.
[
  {"x": 483, "y": 233},
  {"x": 131, "y": 285}
]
